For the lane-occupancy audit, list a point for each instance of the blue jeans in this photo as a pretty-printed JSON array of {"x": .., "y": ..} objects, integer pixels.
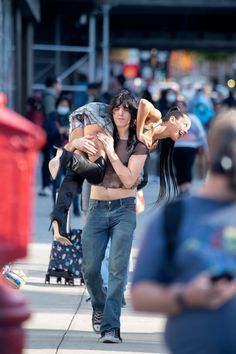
[
  {"x": 104, "y": 269},
  {"x": 105, "y": 264},
  {"x": 115, "y": 220}
]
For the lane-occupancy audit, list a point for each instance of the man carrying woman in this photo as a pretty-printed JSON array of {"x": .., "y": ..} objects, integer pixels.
[{"x": 112, "y": 209}]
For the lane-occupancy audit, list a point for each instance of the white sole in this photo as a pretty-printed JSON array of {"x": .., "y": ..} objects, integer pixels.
[
  {"x": 108, "y": 339},
  {"x": 96, "y": 329}
]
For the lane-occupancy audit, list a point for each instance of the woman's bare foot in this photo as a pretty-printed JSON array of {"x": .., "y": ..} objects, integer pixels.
[
  {"x": 57, "y": 237},
  {"x": 54, "y": 164}
]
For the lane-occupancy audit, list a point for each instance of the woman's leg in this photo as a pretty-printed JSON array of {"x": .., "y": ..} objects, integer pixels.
[
  {"x": 93, "y": 169},
  {"x": 80, "y": 168},
  {"x": 93, "y": 130},
  {"x": 69, "y": 188}
]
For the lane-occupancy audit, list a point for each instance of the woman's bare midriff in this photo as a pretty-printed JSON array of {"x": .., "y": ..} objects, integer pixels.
[{"x": 101, "y": 193}]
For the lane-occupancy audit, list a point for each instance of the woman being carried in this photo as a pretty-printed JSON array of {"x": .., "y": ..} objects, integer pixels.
[
  {"x": 88, "y": 120},
  {"x": 86, "y": 124}
]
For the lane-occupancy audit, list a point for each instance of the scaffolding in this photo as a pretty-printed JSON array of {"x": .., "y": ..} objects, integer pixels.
[
  {"x": 7, "y": 69},
  {"x": 89, "y": 56}
]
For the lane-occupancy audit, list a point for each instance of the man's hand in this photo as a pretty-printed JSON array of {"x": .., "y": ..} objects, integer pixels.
[
  {"x": 202, "y": 293},
  {"x": 108, "y": 142},
  {"x": 85, "y": 144}
]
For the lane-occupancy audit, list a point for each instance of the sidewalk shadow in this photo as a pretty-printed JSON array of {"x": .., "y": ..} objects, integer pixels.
[{"x": 81, "y": 341}]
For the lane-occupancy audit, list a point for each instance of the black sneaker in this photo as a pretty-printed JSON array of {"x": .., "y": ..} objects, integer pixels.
[
  {"x": 111, "y": 336},
  {"x": 97, "y": 320}
]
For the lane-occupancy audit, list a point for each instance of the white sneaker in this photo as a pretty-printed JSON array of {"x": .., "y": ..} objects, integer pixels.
[
  {"x": 97, "y": 320},
  {"x": 111, "y": 336}
]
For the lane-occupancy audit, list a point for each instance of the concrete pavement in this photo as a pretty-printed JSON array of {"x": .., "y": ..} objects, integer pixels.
[{"x": 61, "y": 317}]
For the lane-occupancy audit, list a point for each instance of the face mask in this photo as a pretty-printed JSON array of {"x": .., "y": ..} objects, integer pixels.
[
  {"x": 171, "y": 97},
  {"x": 63, "y": 110}
]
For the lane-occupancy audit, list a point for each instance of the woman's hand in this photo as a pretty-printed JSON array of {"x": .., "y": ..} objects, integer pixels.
[
  {"x": 63, "y": 240},
  {"x": 107, "y": 141},
  {"x": 202, "y": 293},
  {"x": 145, "y": 139},
  {"x": 85, "y": 144}
]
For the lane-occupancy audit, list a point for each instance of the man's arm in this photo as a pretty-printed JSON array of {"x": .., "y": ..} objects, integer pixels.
[
  {"x": 127, "y": 174},
  {"x": 130, "y": 174},
  {"x": 199, "y": 293}
]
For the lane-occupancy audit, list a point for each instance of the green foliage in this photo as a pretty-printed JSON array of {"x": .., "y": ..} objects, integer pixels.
[{"x": 212, "y": 56}]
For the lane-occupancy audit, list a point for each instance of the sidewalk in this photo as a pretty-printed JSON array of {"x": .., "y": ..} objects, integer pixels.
[{"x": 61, "y": 317}]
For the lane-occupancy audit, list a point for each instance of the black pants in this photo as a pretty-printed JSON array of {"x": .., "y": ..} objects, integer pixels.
[
  {"x": 45, "y": 173},
  {"x": 183, "y": 159},
  {"x": 80, "y": 169}
]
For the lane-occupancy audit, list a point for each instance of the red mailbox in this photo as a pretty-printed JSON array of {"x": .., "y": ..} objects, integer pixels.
[{"x": 20, "y": 141}]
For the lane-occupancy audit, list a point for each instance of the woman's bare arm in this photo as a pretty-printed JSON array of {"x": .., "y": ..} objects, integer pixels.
[{"x": 146, "y": 110}]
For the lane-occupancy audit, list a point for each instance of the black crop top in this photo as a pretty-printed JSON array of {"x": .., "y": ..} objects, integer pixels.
[{"x": 111, "y": 180}]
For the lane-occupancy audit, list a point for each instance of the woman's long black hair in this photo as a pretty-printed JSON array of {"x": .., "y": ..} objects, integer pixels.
[
  {"x": 126, "y": 99},
  {"x": 168, "y": 183}
]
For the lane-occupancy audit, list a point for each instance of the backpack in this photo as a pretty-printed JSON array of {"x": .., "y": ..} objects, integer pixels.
[{"x": 203, "y": 112}]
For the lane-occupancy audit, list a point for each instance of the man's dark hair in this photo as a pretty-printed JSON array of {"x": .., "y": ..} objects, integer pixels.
[
  {"x": 121, "y": 79},
  {"x": 126, "y": 99},
  {"x": 64, "y": 98},
  {"x": 50, "y": 81},
  {"x": 94, "y": 85}
]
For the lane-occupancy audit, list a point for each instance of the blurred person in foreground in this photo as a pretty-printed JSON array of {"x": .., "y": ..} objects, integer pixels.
[{"x": 193, "y": 282}]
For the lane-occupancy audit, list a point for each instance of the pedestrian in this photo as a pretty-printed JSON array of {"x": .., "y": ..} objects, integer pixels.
[
  {"x": 189, "y": 147},
  {"x": 112, "y": 216},
  {"x": 168, "y": 98},
  {"x": 91, "y": 119},
  {"x": 50, "y": 96},
  {"x": 112, "y": 210},
  {"x": 202, "y": 106},
  {"x": 56, "y": 126},
  {"x": 185, "y": 272}
]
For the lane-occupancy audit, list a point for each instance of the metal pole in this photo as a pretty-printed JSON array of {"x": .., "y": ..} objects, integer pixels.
[
  {"x": 29, "y": 58},
  {"x": 60, "y": 48},
  {"x": 18, "y": 60},
  {"x": 105, "y": 48},
  {"x": 92, "y": 46},
  {"x": 58, "y": 42},
  {"x": 73, "y": 67}
]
